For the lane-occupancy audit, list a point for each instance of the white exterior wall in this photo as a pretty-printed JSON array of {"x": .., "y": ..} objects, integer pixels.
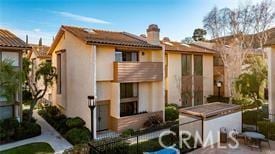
[
  {"x": 115, "y": 100},
  {"x": 271, "y": 80},
  {"x": 230, "y": 122},
  {"x": 208, "y": 76},
  {"x": 79, "y": 78},
  {"x": 174, "y": 78},
  {"x": 105, "y": 63}
]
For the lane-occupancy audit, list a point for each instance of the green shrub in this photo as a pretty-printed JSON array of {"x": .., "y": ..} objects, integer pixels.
[
  {"x": 171, "y": 113},
  {"x": 267, "y": 129},
  {"x": 78, "y": 135},
  {"x": 75, "y": 122},
  {"x": 251, "y": 117},
  {"x": 27, "y": 129},
  {"x": 211, "y": 99},
  {"x": 127, "y": 133}
]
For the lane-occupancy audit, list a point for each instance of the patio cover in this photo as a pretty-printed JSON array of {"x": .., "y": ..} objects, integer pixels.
[{"x": 210, "y": 110}]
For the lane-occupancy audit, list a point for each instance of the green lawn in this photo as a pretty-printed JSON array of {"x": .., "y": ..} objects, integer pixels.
[{"x": 33, "y": 148}]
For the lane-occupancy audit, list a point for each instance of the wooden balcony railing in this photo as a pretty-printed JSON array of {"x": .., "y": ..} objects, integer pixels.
[{"x": 138, "y": 71}]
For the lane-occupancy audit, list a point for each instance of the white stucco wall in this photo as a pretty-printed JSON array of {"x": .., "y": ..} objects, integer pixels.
[
  {"x": 174, "y": 78},
  {"x": 271, "y": 80},
  {"x": 79, "y": 77},
  {"x": 105, "y": 58},
  {"x": 208, "y": 76},
  {"x": 115, "y": 100},
  {"x": 230, "y": 122}
]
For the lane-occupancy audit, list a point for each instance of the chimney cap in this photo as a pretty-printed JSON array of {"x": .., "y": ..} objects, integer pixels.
[
  {"x": 166, "y": 39},
  {"x": 153, "y": 27}
]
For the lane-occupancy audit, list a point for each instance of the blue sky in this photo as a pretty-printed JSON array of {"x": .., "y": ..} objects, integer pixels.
[{"x": 176, "y": 19}]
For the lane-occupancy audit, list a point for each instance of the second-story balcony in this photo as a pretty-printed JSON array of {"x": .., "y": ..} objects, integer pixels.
[{"x": 138, "y": 71}]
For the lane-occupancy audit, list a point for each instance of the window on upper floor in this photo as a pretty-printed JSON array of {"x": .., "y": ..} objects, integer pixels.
[
  {"x": 121, "y": 56},
  {"x": 198, "y": 67},
  {"x": 58, "y": 59},
  {"x": 186, "y": 64}
]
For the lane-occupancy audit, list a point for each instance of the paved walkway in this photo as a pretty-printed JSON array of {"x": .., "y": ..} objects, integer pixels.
[{"x": 48, "y": 135}]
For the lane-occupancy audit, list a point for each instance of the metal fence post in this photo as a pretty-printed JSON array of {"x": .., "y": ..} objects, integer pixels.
[{"x": 137, "y": 145}]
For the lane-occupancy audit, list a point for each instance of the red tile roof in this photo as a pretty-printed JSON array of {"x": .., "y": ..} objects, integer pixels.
[
  {"x": 40, "y": 51},
  {"x": 101, "y": 37},
  {"x": 8, "y": 39},
  {"x": 182, "y": 47}
]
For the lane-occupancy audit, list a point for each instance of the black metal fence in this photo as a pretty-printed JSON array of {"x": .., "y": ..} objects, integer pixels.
[
  {"x": 259, "y": 120},
  {"x": 148, "y": 140}
]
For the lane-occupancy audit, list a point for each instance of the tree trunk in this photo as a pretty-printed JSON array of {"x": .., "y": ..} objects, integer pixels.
[{"x": 33, "y": 103}]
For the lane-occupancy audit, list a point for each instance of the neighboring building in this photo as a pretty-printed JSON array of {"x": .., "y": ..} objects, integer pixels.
[
  {"x": 270, "y": 50},
  {"x": 123, "y": 71},
  {"x": 189, "y": 73},
  {"x": 11, "y": 47},
  {"x": 37, "y": 55}
]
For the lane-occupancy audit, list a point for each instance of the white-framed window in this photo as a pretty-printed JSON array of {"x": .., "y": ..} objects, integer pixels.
[{"x": 13, "y": 56}]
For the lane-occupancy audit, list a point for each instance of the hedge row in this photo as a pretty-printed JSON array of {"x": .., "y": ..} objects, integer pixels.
[{"x": 73, "y": 129}]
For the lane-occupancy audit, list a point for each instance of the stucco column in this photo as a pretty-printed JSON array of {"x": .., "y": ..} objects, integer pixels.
[
  {"x": 93, "y": 52},
  {"x": 271, "y": 81},
  {"x": 115, "y": 100}
]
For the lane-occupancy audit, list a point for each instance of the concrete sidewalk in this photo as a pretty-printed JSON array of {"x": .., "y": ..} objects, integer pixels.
[{"x": 48, "y": 135}]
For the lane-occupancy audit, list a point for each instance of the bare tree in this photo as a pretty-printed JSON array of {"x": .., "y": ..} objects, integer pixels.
[{"x": 238, "y": 32}]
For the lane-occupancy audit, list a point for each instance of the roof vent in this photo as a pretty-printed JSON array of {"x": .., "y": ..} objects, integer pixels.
[
  {"x": 89, "y": 30},
  {"x": 142, "y": 35}
]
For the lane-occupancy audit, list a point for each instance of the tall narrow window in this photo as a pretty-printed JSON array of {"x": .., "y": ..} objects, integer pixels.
[
  {"x": 186, "y": 64},
  {"x": 128, "y": 99},
  {"x": 198, "y": 65},
  {"x": 186, "y": 80},
  {"x": 59, "y": 74}
]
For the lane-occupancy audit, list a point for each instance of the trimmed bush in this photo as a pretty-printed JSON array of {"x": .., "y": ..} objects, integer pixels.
[
  {"x": 27, "y": 130},
  {"x": 251, "y": 117},
  {"x": 211, "y": 99},
  {"x": 171, "y": 113},
  {"x": 127, "y": 133},
  {"x": 75, "y": 122},
  {"x": 12, "y": 130},
  {"x": 78, "y": 135},
  {"x": 267, "y": 129},
  {"x": 26, "y": 116}
]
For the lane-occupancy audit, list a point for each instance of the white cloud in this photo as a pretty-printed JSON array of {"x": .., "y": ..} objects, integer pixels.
[
  {"x": 81, "y": 18},
  {"x": 37, "y": 30}
]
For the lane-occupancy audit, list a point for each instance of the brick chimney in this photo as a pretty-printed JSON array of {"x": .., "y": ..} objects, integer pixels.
[{"x": 153, "y": 34}]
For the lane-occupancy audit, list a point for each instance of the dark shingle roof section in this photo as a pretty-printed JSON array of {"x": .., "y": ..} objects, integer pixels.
[
  {"x": 94, "y": 36},
  {"x": 8, "y": 39}
]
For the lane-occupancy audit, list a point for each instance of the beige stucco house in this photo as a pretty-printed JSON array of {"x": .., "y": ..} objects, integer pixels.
[
  {"x": 123, "y": 71},
  {"x": 189, "y": 73},
  {"x": 39, "y": 54},
  {"x": 11, "y": 48}
]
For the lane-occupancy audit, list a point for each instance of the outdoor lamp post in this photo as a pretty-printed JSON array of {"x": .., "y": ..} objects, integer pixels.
[
  {"x": 91, "y": 104},
  {"x": 219, "y": 85}
]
